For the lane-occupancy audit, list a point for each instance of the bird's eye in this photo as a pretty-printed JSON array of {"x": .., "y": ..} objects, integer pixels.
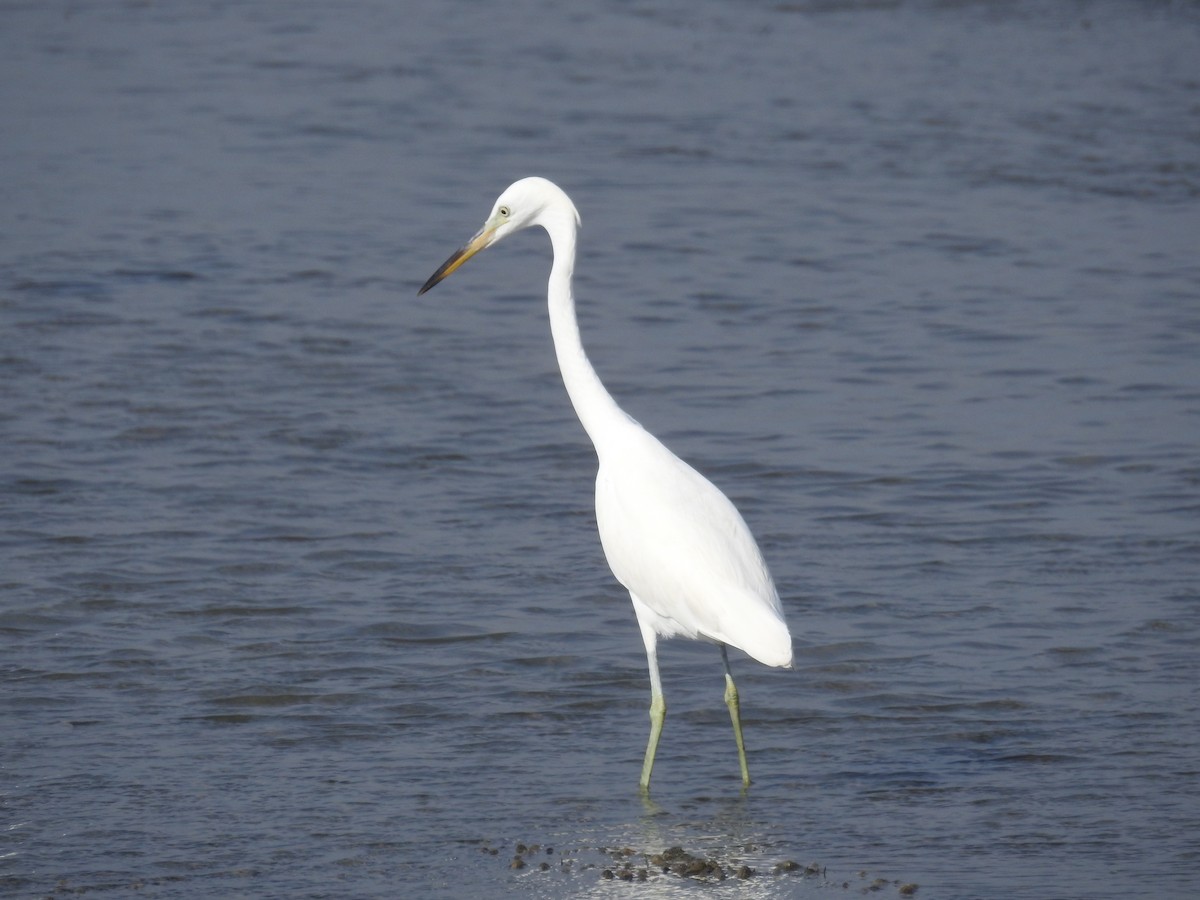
[{"x": 504, "y": 212}]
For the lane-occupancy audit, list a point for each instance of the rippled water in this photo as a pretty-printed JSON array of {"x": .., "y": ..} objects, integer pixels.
[{"x": 301, "y": 592}]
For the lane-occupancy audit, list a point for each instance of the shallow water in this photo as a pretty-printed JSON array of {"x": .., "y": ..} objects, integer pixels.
[{"x": 301, "y": 589}]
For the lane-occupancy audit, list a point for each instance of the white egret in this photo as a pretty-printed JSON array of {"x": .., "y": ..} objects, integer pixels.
[{"x": 676, "y": 543}]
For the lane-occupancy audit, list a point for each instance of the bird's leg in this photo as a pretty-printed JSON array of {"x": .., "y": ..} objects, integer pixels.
[
  {"x": 658, "y": 708},
  {"x": 658, "y": 713},
  {"x": 735, "y": 714}
]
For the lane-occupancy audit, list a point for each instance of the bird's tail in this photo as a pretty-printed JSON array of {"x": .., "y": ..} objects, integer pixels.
[{"x": 759, "y": 631}]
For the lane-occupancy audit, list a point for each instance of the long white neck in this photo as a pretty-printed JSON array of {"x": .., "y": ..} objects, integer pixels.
[{"x": 597, "y": 410}]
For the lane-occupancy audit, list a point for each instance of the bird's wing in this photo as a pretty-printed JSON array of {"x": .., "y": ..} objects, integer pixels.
[{"x": 681, "y": 546}]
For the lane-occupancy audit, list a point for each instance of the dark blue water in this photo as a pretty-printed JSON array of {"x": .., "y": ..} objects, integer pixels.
[{"x": 300, "y": 590}]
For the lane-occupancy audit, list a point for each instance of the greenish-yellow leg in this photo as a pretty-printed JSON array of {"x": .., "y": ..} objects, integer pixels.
[
  {"x": 658, "y": 704},
  {"x": 658, "y": 713},
  {"x": 735, "y": 715}
]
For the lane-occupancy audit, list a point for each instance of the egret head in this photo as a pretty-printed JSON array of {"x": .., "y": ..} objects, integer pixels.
[{"x": 530, "y": 201}]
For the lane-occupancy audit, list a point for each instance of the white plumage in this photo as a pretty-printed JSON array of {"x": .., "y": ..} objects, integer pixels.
[{"x": 676, "y": 543}]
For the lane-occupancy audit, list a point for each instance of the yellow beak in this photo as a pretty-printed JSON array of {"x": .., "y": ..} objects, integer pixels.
[{"x": 461, "y": 255}]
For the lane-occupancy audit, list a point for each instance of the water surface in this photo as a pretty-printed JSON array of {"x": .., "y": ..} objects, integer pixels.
[{"x": 301, "y": 592}]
